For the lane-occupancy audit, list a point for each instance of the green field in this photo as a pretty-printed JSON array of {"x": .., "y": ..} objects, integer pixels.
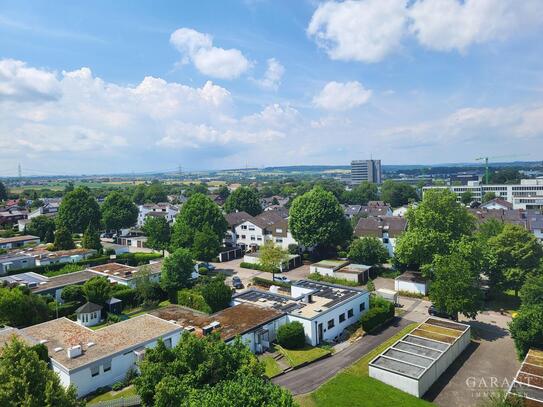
[
  {"x": 353, "y": 386},
  {"x": 307, "y": 354}
]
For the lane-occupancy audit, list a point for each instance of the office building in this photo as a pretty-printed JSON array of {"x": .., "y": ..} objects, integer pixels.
[{"x": 365, "y": 170}]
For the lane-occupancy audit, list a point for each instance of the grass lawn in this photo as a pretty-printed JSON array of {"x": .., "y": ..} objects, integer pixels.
[
  {"x": 271, "y": 366},
  {"x": 296, "y": 357},
  {"x": 354, "y": 387},
  {"x": 113, "y": 395}
]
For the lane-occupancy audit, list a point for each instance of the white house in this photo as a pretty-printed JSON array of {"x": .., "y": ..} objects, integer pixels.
[
  {"x": 18, "y": 241},
  {"x": 535, "y": 223},
  {"x": 497, "y": 203},
  {"x": 163, "y": 209},
  {"x": 325, "y": 310},
  {"x": 127, "y": 275},
  {"x": 89, "y": 314},
  {"x": 386, "y": 228}
]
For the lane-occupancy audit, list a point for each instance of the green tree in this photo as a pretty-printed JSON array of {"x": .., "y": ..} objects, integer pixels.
[
  {"x": 196, "y": 363},
  {"x": 466, "y": 197},
  {"x": 272, "y": 257},
  {"x": 368, "y": 250},
  {"x": 361, "y": 194},
  {"x": 72, "y": 293},
  {"x": 63, "y": 239},
  {"x": 243, "y": 199},
  {"x": 456, "y": 285},
  {"x": 155, "y": 193},
  {"x": 527, "y": 328},
  {"x": 531, "y": 292},
  {"x": 138, "y": 196},
  {"x": 224, "y": 192},
  {"x": 20, "y": 308},
  {"x": 291, "y": 335},
  {"x": 177, "y": 269},
  {"x": 147, "y": 290},
  {"x": 43, "y": 227},
  {"x": 488, "y": 196},
  {"x": 206, "y": 244},
  {"x": 97, "y": 290},
  {"x": 196, "y": 213},
  {"x": 118, "y": 211},
  {"x": 3, "y": 192},
  {"x": 77, "y": 210},
  {"x": 217, "y": 294},
  {"x": 397, "y": 193},
  {"x": 157, "y": 231},
  {"x": 489, "y": 228},
  {"x": 25, "y": 380},
  {"x": 518, "y": 254},
  {"x": 91, "y": 239},
  {"x": 316, "y": 218}
]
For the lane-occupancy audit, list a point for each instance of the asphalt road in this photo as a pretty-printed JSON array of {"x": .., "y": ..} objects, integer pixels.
[{"x": 307, "y": 379}]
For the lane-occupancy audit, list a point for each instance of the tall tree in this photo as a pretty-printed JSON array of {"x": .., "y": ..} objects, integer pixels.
[
  {"x": 176, "y": 272},
  {"x": 43, "y": 227},
  {"x": 206, "y": 244},
  {"x": 224, "y": 192},
  {"x": 316, "y": 218},
  {"x": 361, "y": 194},
  {"x": 196, "y": 213},
  {"x": 272, "y": 257},
  {"x": 63, "y": 239},
  {"x": 20, "y": 308},
  {"x": 77, "y": 210},
  {"x": 397, "y": 193},
  {"x": 97, "y": 290},
  {"x": 118, "y": 211},
  {"x": 531, "y": 292},
  {"x": 157, "y": 231},
  {"x": 488, "y": 196},
  {"x": 3, "y": 192},
  {"x": 368, "y": 250},
  {"x": 466, "y": 197},
  {"x": 527, "y": 328},
  {"x": 243, "y": 199},
  {"x": 138, "y": 196},
  {"x": 155, "y": 193},
  {"x": 26, "y": 380},
  {"x": 217, "y": 294},
  {"x": 91, "y": 239}
]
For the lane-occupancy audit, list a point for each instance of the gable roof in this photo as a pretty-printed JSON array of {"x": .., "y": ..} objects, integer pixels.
[
  {"x": 235, "y": 218},
  {"x": 374, "y": 226},
  {"x": 498, "y": 201},
  {"x": 88, "y": 307}
]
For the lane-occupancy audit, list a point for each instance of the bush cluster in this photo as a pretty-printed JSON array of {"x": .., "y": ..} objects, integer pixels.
[
  {"x": 254, "y": 266},
  {"x": 268, "y": 283},
  {"x": 380, "y": 312},
  {"x": 331, "y": 280},
  {"x": 291, "y": 335}
]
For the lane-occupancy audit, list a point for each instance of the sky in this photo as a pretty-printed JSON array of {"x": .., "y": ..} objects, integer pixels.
[{"x": 95, "y": 87}]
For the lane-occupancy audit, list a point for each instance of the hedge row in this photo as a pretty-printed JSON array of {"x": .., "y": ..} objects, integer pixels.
[
  {"x": 254, "y": 266},
  {"x": 193, "y": 299},
  {"x": 332, "y": 280},
  {"x": 380, "y": 312},
  {"x": 268, "y": 283}
]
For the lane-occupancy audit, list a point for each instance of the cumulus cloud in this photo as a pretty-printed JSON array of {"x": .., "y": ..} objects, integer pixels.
[
  {"x": 273, "y": 75},
  {"x": 89, "y": 114},
  {"x": 370, "y": 30},
  {"x": 197, "y": 47},
  {"x": 342, "y": 96}
]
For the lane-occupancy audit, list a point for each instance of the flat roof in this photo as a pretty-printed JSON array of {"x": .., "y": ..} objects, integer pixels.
[
  {"x": 14, "y": 239},
  {"x": 528, "y": 383},
  {"x": 64, "y": 280},
  {"x": 412, "y": 277},
  {"x": 234, "y": 321},
  {"x": 413, "y": 355},
  {"x": 331, "y": 264},
  {"x": 25, "y": 278},
  {"x": 108, "y": 341},
  {"x": 123, "y": 271}
]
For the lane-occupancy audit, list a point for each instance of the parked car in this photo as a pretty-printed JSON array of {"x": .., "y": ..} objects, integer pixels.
[
  {"x": 435, "y": 312},
  {"x": 207, "y": 266},
  {"x": 236, "y": 282},
  {"x": 281, "y": 279}
]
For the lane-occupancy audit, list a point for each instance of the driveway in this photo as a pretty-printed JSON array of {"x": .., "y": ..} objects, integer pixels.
[
  {"x": 489, "y": 363},
  {"x": 308, "y": 378}
]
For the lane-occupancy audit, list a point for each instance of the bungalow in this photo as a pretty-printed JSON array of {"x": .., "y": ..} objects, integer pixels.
[
  {"x": 375, "y": 208},
  {"x": 12, "y": 215},
  {"x": 325, "y": 310},
  {"x": 18, "y": 241},
  {"x": 411, "y": 282},
  {"x": 15, "y": 261},
  {"x": 386, "y": 228},
  {"x": 48, "y": 209},
  {"x": 126, "y": 275},
  {"x": 45, "y": 257},
  {"x": 350, "y": 211}
]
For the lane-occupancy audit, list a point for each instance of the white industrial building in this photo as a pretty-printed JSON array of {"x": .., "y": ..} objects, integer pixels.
[
  {"x": 417, "y": 360},
  {"x": 526, "y": 195},
  {"x": 325, "y": 310}
]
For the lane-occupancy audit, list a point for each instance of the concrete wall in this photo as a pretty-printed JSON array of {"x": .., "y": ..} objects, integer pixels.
[
  {"x": 398, "y": 381},
  {"x": 417, "y": 288}
]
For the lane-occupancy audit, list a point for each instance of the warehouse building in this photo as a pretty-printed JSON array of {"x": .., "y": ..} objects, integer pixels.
[{"x": 417, "y": 360}]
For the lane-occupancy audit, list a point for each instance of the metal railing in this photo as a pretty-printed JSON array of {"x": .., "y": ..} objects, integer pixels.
[{"x": 121, "y": 402}]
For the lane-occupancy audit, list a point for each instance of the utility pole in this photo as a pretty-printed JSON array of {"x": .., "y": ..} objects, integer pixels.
[{"x": 19, "y": 171}]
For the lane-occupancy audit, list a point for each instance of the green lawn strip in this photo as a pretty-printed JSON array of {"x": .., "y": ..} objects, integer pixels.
[
  {"x": 297, "y": 357},
  {"x": 271, "y": 367},
  {"x": 113, "y": 395},
  {"x": 353, "y": 386}
]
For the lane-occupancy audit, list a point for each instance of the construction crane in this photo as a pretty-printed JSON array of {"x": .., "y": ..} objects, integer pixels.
[{"x": 485, "y": 159}]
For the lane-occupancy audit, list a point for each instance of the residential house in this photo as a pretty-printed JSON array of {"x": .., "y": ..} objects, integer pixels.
[
  {"x": 48, "y": 209},
  {"x": 18, "y": 241},
  {"x": 219, "y": 200},
  {"x": 535, "y": 223},
  {"x": 163, "y": 209},
  {"x": 256, "y": 326},
  {"x": 325, "y": 310},
  {"x": 15, "y": 261},
  {"x": 46, "y": 257},
  {"x": 497, "y": 203},
  {"x": 411, "y": 282},
  {"x": 127, "y": 275},
  {"x": 12, "y": 215},
  {"x": 375, "y": 209},
  {"x": 511, "y": 216},
  {"x": 386, "y": 228},
  {"x": 351, "y": 211},
  {"x": 273, "y": 201}
]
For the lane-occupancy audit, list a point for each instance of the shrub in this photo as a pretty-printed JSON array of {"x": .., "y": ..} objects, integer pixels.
[
  {"x": 64, "y": 310},
  {"x": 268, "y": 283},
  {"x": 193, "y": 299},
  {"x": 293, "y": 248},
  {"x": 138, "y": 259},
  {"x": 291, "y": 335},
  {"x": 127, "y": 295},
  {"x": 370, "y": 286},
  {"x": 117, "y": 386},
  {"x": 113, "y": 319},
  {"x": 131, "y": 374},
  {"x": 202, "y": 271},
  {"x": 331, "y": 280},
  {"x": 380, "y": 312}
]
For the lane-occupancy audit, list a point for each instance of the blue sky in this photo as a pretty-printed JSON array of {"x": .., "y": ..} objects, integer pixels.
[{"x": 98, "y": 87}]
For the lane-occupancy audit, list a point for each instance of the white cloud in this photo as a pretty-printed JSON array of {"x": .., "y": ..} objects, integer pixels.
[
  {"x": 273, "y": 75},
  {"x": 364, "y": 31},
  {"x": 19, "y": 82},
  {"x": 342, "y": 96},
  {"x": 370, "y": 30},
  {"x": 197, "y": 47}
]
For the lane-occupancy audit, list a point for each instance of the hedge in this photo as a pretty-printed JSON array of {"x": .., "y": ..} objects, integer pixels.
[
  {"x": 138, "y": 259},
  {"x": 254, "y": 266},
  {"x": 291, "y": 335},
  {"x": 380, "y": 312},
  {"x": 268, "y": 283},
  {"x": 64, "y": 310},
  {"x": 193, "y": 299},
  {"x": 127, "y": 295},
  {"x": 332, "y": 280}
]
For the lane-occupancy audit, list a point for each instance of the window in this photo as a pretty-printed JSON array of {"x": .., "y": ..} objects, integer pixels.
[
  {"x": 243, "y": 227},
  {"x": 243, "y": 236},
  {"x": 251, "y": 228},
  {"x": 278, "y": 240},
  {"x": 342, "y": 317},
  {"x": 107, "y": 366},
  {"x": 278, "y": 230},
  {"x": 259, "y": 238},
  {"x": 252, "y": 238},
  {"x": 350, "y": 313},
  {"x": 168, "y": 343},
  {"x": 362, "y": 306},
  {"x": 331, "y": 324},
  {"x": 95, "y": 370}
]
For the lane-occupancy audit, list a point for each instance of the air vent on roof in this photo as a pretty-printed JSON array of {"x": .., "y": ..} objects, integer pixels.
[
  {"x": 58, "y": 349},
  {"x": 42, "y": 341},
  {"x": 215, "y": 324},
  {"x": 318, "y": 310},
  {"x": 74, "y": 351},
  {"x": 189, "y": 328},
  {"x": 90, "y": 344},
  {"x": 262, "y": 300},
  {"x": 116, "y": 273}
]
